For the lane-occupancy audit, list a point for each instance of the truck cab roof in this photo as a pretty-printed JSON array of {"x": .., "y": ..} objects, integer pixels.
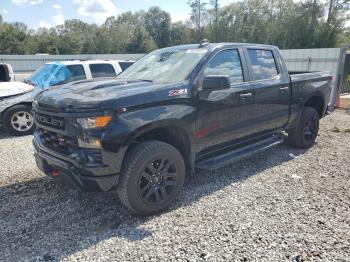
[{"x": 212, "y": 46}]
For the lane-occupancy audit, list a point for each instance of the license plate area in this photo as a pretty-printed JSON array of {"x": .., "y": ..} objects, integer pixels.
[{"x": 43, "y": 165}]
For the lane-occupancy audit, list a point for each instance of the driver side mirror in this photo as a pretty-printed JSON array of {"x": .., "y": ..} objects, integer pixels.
[{"x": 216, "y": 82}]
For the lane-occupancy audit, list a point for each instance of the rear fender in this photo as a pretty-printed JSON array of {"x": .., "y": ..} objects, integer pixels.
[{"x": 298, "y": 106}]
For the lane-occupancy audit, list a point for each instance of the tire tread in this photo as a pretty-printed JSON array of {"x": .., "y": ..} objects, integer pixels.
[
  {"x": 294, "y": 138},
  {"x": 132, "y": 158}
]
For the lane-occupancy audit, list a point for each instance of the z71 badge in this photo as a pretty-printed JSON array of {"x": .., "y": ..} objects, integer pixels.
[{"x": 178, "y": 92}]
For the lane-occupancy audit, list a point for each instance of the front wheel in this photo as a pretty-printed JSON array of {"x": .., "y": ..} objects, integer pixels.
[
  {"x": 305, "y": 133},
  {"x": 18, "y": 120},
  {"x": 152, "y": 176}
]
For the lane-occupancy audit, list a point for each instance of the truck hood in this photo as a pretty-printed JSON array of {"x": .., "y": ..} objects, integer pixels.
[
  {"x": 14, "y": 88},
  {"x": 105, "y": 94}
]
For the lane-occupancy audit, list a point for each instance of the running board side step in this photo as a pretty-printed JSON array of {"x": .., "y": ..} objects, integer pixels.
[{"x": 239, "y": 153}]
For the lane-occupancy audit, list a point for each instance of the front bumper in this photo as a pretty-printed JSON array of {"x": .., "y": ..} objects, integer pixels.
[{"x": 74, "y": 175}]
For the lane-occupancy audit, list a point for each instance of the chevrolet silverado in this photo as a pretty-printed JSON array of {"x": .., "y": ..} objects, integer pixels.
[{"x": 176, "y": 109}]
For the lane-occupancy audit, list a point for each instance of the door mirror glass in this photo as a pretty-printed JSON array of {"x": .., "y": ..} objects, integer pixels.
[
  {"x": 226, "y": 63},
  {"x": 216, "y": 82}
]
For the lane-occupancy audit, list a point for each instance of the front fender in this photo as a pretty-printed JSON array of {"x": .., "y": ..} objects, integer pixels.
[
  {"x": 127, "y": 126},
  {"x": 8, "y": 102}
]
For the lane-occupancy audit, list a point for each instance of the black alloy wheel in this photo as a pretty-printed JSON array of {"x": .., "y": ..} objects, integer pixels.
[{"x": 157, "y": 181}]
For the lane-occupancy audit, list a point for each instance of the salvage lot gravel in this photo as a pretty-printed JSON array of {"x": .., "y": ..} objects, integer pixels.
[{"x": 280, "y": 205}]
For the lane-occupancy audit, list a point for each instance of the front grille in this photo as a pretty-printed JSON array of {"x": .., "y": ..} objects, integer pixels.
[
  {"x": 49, "y": 108},
  {"x": 59, "y": 143},
  {"x": 50, "y": 121}
]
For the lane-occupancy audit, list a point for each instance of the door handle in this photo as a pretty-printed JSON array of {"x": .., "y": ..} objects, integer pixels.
[
  {"x": 285, "y": 88},
  {"x": 246, "y": 95}
]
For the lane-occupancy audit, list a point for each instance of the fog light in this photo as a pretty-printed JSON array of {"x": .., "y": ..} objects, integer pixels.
[{"x": 90, "y": 143}]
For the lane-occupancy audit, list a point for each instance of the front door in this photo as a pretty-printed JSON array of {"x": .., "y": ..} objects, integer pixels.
[{"x": 224, "y": 115}]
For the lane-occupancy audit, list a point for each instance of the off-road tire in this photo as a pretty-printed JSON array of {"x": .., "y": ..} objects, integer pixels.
[
  {"x": 297, "y": 136},
  {"x": 135, "y": 164}
]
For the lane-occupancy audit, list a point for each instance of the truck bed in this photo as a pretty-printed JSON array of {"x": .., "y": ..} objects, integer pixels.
[
  {"x": 309, "y": 76},
  {"x": 304, "y": 84}
]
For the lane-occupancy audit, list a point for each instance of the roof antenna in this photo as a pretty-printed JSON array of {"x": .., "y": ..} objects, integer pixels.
[{"x": 204, "y": 42}]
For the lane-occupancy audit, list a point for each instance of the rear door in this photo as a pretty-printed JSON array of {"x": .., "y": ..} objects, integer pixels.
[{"x": 271, "y": 85}]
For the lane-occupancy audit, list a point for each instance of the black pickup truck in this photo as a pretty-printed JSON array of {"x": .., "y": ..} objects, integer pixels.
[{"x": 176, "y": 109}]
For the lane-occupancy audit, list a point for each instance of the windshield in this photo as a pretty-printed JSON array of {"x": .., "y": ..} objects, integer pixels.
[
  {"x": 40, "y": 76},
  {"x": 165, "y": 66}
]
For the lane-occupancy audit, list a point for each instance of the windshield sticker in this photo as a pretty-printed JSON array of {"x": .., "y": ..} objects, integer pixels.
[{"x": 178, "y": 92}]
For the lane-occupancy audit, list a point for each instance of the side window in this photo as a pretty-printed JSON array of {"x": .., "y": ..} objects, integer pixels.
[
  {"x": 263, "y": 64},
  {"x": 102, "y": 70},
  {"x": 68, "y": 74},
  {"x": 77, "y": 73},
  {"x": 228, "y": 63},
  {"x": 125, "y": 65}
]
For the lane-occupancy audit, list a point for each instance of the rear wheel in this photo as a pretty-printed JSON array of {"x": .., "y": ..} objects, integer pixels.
[
  {"x": 18, "y": 120},
  {"x": 305, "y": 133},
  {"x": 152, "y": 176}
]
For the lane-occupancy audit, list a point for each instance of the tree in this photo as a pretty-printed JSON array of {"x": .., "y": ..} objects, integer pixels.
[
  {"x": 198, "y": 11},
  {"x": 215, "y": 4},
  {"x": 180, "y": 34},
  {"x": 157, "y": 24},
  {"x": 12, "y": 38},
  {"x": 141, "y": 42},
  {"x": 127, "y": 28},
  {"x": 46, "y": 43},
  {"x": 336, "y": 6},
  {"x": 285, "y": 23}
]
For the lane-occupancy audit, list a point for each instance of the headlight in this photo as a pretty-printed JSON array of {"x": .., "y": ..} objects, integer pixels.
[{"x": 94, "y": 122}]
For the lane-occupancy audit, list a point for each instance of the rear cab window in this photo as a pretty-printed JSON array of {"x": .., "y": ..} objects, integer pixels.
[
  {"x": 263, "y": 64},
  {"x": 227, "y": 63},
  {"x": 102, "y": 70}
]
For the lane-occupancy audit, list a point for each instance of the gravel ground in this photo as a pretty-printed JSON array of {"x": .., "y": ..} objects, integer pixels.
[{"x": 281, "y": 205}]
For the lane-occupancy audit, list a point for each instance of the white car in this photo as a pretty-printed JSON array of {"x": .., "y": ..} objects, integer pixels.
[
  {"x": 16, "y": 97},
  {"x": 8, "y": 86},
  {"x": 6, "y": 73}
]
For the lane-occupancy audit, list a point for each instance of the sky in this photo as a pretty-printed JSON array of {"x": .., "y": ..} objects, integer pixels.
[{"x": 48, "y": 13}]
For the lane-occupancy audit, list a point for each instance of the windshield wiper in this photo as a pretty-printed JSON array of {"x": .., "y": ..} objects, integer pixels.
[
  {"x": 144, "y": 80},
  {"x": 29, "y": 82},
  {"x": 135, "y": 80}
]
